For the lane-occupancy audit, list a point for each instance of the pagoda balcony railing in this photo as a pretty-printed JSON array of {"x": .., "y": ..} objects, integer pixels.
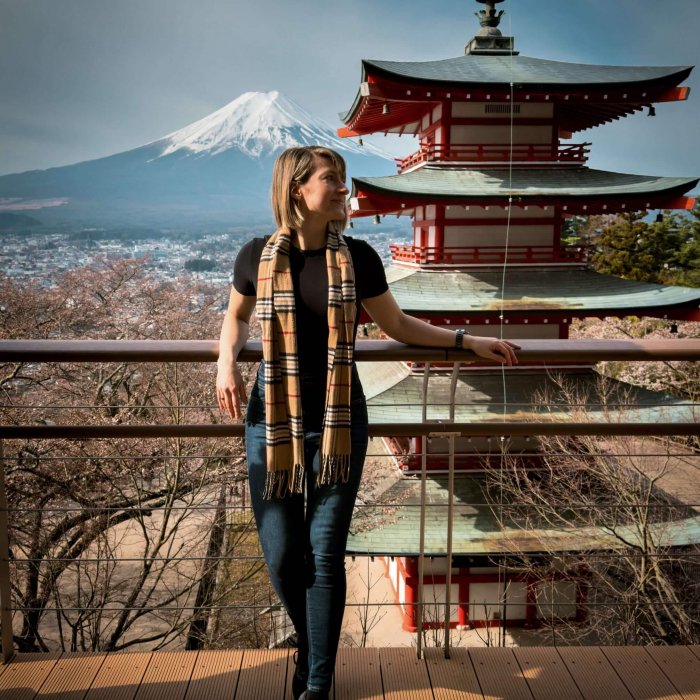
[
  {"x": 433, "y": 256},
  {"x": 496, "y": 153},
  {"x": 32, "y": 353}
]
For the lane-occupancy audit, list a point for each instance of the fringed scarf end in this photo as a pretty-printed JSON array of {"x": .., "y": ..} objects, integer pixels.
[
  {"x": 281, "y": 483},
  {"x": 334, "y": 468}
]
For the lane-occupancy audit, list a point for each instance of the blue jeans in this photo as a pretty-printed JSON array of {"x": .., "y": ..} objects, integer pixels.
[{"x": 304, "y": 548}]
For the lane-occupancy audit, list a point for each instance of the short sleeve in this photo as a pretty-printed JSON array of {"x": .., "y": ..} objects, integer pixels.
[
  {"x": 371, "y": 268},
  {"x": 245, "y": 269}
]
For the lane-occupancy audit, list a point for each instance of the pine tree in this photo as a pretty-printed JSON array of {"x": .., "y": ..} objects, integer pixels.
[
  {"x": 689, "y": 253},
  {"x": 666, "y": 251}
]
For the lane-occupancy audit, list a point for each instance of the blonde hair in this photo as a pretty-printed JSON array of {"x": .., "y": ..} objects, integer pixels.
[{"x": 295, "y": 166}]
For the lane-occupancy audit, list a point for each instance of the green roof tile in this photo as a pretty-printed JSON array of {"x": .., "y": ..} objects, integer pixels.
[
  {"x": 527, "y": 183},
  {"x": 580, "y": 291},
  {"x": 479, "y": 397},
  {"x": 476, "y": 530},
  {"x": 522, "y": 70}
]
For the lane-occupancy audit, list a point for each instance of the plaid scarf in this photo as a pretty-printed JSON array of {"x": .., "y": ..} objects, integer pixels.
[{"x": 277, "y": 313}]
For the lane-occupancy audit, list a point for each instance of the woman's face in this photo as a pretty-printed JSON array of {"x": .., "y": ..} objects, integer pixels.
[{"x": 323, "y": 195}]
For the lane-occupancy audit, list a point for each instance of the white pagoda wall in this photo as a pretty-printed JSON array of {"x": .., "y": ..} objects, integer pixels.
[
  {"x": 557, "y": 598},
  {"x": 434, "y": 596},
  {"x": 461, "y": 134},
  {"x": 501, "y": 133},
  {"x": 484, "y": 601},
  {"x": 497, "y": 236},
  {"x": 486, "y": 235}
]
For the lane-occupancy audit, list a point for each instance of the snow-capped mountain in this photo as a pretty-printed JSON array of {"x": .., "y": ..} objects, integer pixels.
[
  {"x": 258, "y": 124},
  {"x": 216, "y": 170}
]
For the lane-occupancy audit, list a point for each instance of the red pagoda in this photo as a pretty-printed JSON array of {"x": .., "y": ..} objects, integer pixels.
[{"x": 488, "y": 191}]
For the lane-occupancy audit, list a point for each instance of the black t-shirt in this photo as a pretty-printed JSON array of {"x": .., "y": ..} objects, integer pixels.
[{"x": 310, "y": 278}]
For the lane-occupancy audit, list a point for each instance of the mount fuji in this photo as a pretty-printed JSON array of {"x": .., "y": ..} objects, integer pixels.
[{"x": 216, "y": 171}]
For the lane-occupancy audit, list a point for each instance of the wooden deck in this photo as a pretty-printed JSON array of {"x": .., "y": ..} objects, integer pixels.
[{"x": 521, "y": 673}]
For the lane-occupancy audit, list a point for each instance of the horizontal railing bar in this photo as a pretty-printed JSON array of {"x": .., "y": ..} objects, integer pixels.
[
  {"x": 610, "y": 405},
  {"x": 365, "y": 504},
  {"x": 377, "y": 455},
  {"x": 434, "y": 429},
  {"x": 480, "y": 604},
  {"x": 686, "y": 557},
  {"x": 366, "y": 350}
]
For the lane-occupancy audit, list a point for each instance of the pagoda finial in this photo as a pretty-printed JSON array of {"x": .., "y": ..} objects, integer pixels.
[
  {"x": 489, "y": 17},
  {"x": 489, "y": 40}
]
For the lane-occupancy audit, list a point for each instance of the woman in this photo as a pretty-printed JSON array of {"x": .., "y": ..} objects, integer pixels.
[{"x": 306, "y": 422}]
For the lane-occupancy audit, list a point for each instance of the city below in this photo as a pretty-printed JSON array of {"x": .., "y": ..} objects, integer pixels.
[{"x": 209, "y": 256}]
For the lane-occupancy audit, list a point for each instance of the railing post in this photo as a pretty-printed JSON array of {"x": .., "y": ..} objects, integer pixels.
[
  {"x": 450, "y": 510},
  {"x": 421, "y": 545},
  {"x": 8, "y": 650}
]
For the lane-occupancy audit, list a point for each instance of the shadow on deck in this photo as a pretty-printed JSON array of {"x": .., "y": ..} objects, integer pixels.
[{"x": 519, "y": 673}]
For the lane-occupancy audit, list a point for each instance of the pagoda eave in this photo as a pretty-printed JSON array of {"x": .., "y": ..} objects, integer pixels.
[
  {"x": 572, "y": 190},
  {"x": 522, "y": 71},
  {"x": 383, "y": 96},
  {"x": 372, "y": 204},
  {"x": 689, "y": 311},
  {"x": 521, "y": 292}
]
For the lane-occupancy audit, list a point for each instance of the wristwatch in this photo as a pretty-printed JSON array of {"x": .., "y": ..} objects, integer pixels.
[{"x": 459, "y": 337}]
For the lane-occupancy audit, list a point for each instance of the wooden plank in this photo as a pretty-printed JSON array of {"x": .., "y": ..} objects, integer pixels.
[
  {"x": 262, "y": 675},
  {"x": 358, "y": 675},
  {"x": 499, "y": 673},
  {"x": 119, "y": 676},
  {"x": 546, "y": 673},
  {"x": 594, "y": 676},
  {"x": 681, "y": 667},
  {"x": 695, "y": 648},
  {"x": 405, "y": 676},
  {"x": 25, "y": 674},
  {"x": 215, "y": 675},
  {"x": 643, "y": 678},
  {"x": 71, "y": 676},
  {"x": 167, "y": 676},
  {"x": 453, "y": 678}
]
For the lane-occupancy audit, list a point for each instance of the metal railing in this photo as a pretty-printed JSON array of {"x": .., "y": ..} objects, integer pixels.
[
  {"x": 533, "y": 351},
  {"x": 438, "y": 256},
  {"x": 496, "y": 153}
]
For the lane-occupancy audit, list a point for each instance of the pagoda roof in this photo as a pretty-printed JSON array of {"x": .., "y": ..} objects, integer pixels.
[
  {"x": 479, "y": 397},
  {"x": 452, "y": 182},
  {"x": 532, "y": 291},
  {"x": 589, "y": 95},
  {"x": 395, "y": 530},
  {"x": 522, "y": 70}
]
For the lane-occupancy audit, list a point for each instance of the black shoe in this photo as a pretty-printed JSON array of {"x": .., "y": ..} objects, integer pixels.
[
  {"x": 312, "y": 695},
  {"x": 301, "y": 675}
]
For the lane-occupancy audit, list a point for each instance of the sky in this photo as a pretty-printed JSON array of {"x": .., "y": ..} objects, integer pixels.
[{"x": 82, "y": 79}]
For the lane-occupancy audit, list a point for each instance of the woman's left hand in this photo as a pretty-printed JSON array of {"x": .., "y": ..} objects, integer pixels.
[{"x": 494, "y": 349}]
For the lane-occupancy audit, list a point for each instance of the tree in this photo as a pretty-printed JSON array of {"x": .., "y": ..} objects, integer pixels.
[
  {"x": 679, "y": 378},
  {"x": 102, "y": 531},
  {"x": 640, "y": 589},
  {"x": 666, "y": 251},
  {"x": 689, "y": 253}
]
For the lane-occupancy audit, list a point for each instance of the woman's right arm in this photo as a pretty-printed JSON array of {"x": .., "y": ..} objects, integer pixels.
[{"x": 230, "y": 389}]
